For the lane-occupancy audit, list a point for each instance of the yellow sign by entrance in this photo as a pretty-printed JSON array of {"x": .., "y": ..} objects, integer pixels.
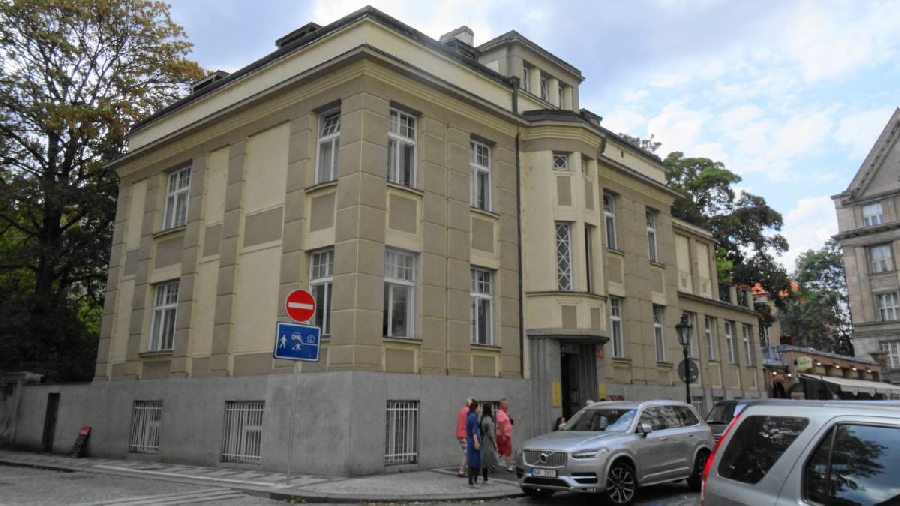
[
  {"x": 557, "y": 394},
  {"x": 601, "y": 391},
  {"x": 804, "y": 363}
]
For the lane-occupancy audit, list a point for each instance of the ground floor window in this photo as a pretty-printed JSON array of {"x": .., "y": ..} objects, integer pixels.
[
  {"x": 402, "y": 432},
  {"x": 892, "y": 349},
  {"x": 242, "y": 436},
  {"x": 146, "y": 419}
]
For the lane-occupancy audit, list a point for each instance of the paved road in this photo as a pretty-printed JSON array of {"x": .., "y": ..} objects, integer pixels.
[
  {"x": 24, "y": 486},
  {"x": 670, "y": 494}
]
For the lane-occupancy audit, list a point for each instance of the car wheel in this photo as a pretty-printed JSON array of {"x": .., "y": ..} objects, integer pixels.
[
  {"x": 696, "y": 479},
  {"x": 538, "y": 493},
  {"x": 621, "y": 484}
]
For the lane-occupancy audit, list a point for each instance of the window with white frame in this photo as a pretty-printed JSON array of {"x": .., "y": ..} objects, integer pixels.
[
  {"x": 887, "y": 306},
  {"x": 402, "y": 149},
  {"x": 177, "y": 190},
  {"x": 482, "y": 306},
  {"x": 729, "y": 342},
  {"x": 651, "y": 235},
  {"x": 695, "y": 335},
  {"x": 873, "y": 215},
  {"x": 560, "y": 161},
  {"x": 321, "y": 271},
  {"x": 560, "y": 95},
  {"x": 545, "y": 87},
  {"x": 748, "y": 343},
  {"x": 399, "y": 293},
  {"x": 526, "y": 78},
  {"x": 589, "y": 257},
  {"x": 881, "y": 258},
  {"x": 710, "y": 333},
  {"x": 242, "y": 431},
  {"x": 564, "y": 256},
  {"x": 481, "y": 175},
  {"x": 165, "y": 303},
  {"x": 615, "y": 325},
  {"x": 659, "y": 322},
  {"x": 146, "y": 418},
  {"x": 402, "y": 432},
  {"x": 327, "y": 153},
  {"x": 609, "y": 215},
  {"x": 892, "y": 349},
  {"x": 764, "y": 338}
]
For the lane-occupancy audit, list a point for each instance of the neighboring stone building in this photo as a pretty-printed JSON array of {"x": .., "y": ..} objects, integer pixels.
[
  {"x": 868, "y": 213},
  {"x": 396, "y": 177}
]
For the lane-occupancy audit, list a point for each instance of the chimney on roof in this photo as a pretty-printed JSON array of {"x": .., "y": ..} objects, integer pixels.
[
  {"x": 297, "y": 34},
  {"x": 208, "y": 80},
  {"x": 463, "y": 33}
]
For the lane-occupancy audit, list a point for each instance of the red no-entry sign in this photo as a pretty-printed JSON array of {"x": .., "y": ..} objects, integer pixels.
[{"x": 300, "y": 305}]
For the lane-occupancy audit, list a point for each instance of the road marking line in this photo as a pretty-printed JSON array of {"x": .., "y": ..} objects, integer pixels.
[{"x": 177, "y": 475}]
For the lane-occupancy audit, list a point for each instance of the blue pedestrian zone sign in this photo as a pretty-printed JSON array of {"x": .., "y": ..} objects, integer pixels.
[{"x": 297, "y": 342}]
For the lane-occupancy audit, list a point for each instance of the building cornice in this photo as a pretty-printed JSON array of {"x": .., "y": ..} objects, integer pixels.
[
  {"x": 867, "y": 231},
  {"x": 652, "y": 187},
  {"x": 718, "y": 303},
  {"x": 513, "y": 36}
]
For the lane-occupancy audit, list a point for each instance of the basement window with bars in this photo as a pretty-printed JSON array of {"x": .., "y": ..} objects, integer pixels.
[
  {"x": 242, "y": 433},
  {"x": 146, "y": 419},
  {"x": 402, "y": 433}
]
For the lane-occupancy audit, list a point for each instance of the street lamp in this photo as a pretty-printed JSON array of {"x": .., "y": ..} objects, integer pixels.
[{"x": 684, "y": 338}]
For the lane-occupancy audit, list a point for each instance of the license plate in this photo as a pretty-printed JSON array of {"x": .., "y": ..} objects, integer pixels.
[{"x": 544, "y": 473}]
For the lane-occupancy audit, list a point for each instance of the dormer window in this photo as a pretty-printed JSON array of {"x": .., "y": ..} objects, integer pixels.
[{"x": 872, "y": 215}]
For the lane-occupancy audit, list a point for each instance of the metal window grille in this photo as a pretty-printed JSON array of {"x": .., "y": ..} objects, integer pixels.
[
  {"x": 658, "y": 323},
  {"x": 560, "y": 161},
  {"x": 242, "y": 436},
  {"x": 615, "y": 321},
  {"x": 402, "y": 433},
  {"x": 146, "y": 419},
  {"x": 564, "y": 256},
  {"x": 165, "y": 304},
  {"x": 402, "y": 149},
  {"x": 177, "y": 198},
  {"x": 481, "y": 175},
  {"x": 482, "y": 307},
  {"x": 329, "y": 133}
]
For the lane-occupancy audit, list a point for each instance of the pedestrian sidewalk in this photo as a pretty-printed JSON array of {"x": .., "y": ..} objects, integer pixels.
[{"x": 420, "y": 486}]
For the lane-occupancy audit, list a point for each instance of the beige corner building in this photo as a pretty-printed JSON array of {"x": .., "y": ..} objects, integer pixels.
[
  {"x": 465, "y": 227},
  {"x": 868, "y": 214}
]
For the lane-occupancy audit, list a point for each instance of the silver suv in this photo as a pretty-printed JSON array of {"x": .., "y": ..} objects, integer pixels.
[
  {"x": 781, "y": 452},
  {"x": 614, "y": 447}
]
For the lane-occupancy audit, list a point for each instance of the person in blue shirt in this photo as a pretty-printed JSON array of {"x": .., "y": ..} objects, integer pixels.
[{"x": 473, "y": 443}]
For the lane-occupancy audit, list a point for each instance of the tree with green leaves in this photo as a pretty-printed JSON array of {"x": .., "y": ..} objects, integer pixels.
[
  {"x": 741, "y": 224},
  {"x": 75, "y": 75},
  {"x": 817, "y": 314},
  {"x": 649, "y": 145}
]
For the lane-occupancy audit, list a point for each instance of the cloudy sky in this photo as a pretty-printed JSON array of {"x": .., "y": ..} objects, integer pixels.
[{"x": 791, "y": 95}]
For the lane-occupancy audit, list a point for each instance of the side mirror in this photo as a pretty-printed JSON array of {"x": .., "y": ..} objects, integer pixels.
[{"x": 644, "y": 429}]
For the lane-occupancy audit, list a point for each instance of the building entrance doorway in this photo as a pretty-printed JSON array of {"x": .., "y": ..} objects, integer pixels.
[
  {"x": 578, "y": 376},
  {"x": 50, "y": 422}
]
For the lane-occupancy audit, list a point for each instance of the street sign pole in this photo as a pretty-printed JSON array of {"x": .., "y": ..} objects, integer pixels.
[{"x": 291, "y": 436}]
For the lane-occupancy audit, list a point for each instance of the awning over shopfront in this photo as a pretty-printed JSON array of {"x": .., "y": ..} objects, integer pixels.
[{"x": 855, "y": 386}]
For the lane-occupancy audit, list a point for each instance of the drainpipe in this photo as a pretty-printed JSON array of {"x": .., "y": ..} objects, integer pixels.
[{"x": 514, "y": 84}]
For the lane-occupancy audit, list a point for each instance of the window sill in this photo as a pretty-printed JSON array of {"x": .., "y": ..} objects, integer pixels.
[
  {"x": 410, "y": 340},
  {"x": 892, "y": 271},
  {"x": 169, "y": 231},
  {"x": 615, "y": 251},
  {"x": 665, "y": 364},
  {"x": 655, "y": 263},
  {"x": 155, "y": 354},
  {"x": 491, "y": 347},
  {"x": 408, "y": 189},
  {"x": 623, "y": 360},
  {"x": 321, "y": 186},
  {"x": 485, "y": 212}
]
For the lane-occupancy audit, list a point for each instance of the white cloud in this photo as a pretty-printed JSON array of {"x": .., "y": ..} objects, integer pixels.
[
  {"x": 678, "y": 127},
  {"x": 858, "y": 132},
  {"x": 807, "y": 226},
  {"x": 632, "y": 95},
  {"x": 626, "y": 121},
  {"x": 801, "y": 135}
]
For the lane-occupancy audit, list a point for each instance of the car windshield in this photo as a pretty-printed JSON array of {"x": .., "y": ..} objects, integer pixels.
[
  {"x": 721, "y": 413},
  {"x": 606, "y": 420}
]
